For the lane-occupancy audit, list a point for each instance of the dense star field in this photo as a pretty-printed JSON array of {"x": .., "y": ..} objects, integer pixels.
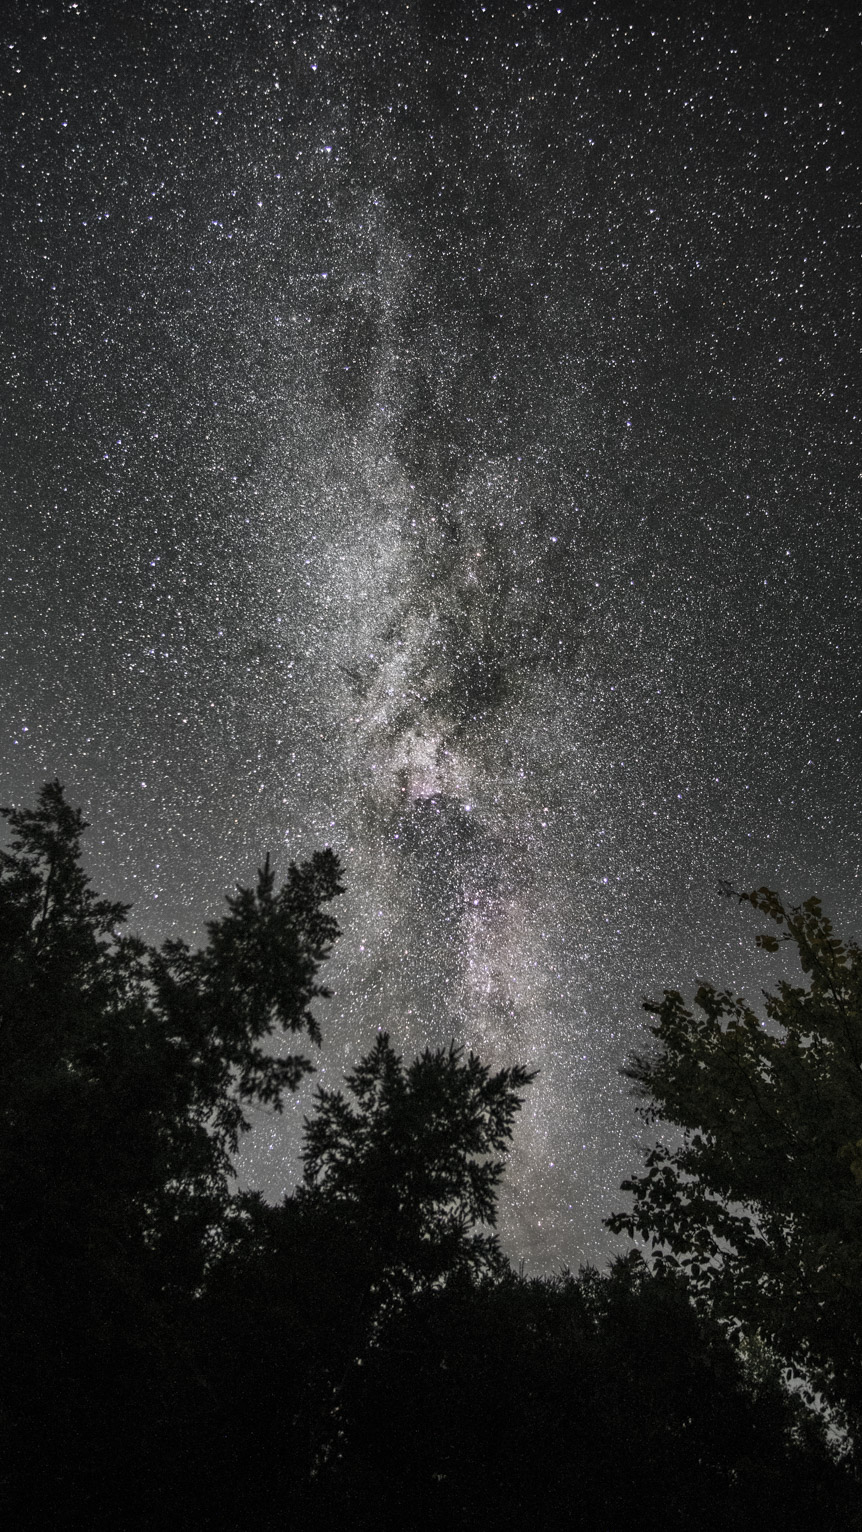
[{"x": 435, "y": 433}]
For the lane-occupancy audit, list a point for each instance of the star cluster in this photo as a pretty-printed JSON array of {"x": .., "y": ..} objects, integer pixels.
[{"x": 435, "y": 433}]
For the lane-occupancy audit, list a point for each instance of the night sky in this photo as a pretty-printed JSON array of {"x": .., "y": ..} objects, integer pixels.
[{"x": 434, "y": 432}]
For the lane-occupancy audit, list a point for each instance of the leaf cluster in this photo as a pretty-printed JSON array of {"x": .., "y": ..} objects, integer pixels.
[
  {"x": 176, "y": 1352},
  {"x": 757, "y": 1198},
  {"x": 413, "y": 1162},
  {"x": 127, "y": 1071}
]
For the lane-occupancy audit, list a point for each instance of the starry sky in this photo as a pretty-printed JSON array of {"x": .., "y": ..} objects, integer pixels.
[{"x": 434, "y": 431}]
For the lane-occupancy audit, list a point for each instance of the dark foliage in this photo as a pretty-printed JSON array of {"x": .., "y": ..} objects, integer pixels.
[
  {"x": 596, "y": 1401},
  {"x": 176, "y": 1353},
  {"x": 125, "y": 1078},
  {"x": 760, "y": 1203},
  {"x": 413, "y": 1168}
]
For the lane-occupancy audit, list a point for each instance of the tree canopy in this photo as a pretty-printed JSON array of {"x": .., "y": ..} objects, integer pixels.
[
  {"x": 757, "y": 1198},
  {"x": 126, "y": 1078},
  {"x": 157, "y": 1053},
  {"x": 414, "y": 1165},
  {"x": 177, "y": 1351}
]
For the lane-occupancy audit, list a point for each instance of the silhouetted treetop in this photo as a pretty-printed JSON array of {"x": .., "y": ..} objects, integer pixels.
[
  {"x": 760, "y": 1204},
  {"x": 414, "y": 1161},
  {"x": 159, "y": 1052}
]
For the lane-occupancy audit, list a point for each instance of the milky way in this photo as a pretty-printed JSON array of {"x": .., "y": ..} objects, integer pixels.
[{"x": 436, "y": 434}]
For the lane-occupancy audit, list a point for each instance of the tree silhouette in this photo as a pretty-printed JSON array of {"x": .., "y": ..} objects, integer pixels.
[
  {"x": 177, "y": 1352},
  {"x": 597, "y": 1401},
  {"x": 760, "y": 1203},
  {"x": 126, "y": 1076},
  {"x": 398, "y": 1200},
  {"x": 144, "y": 1062},
  {"x": 413, "y": 1167}
]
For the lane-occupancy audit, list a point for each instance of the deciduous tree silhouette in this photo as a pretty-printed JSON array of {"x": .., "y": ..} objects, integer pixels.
[
  {"x": 412, "y": 1165},
  {"x": 398, "y": 1199},
  {"x": 597, "y": 1401},
  {"x": 126, "y": 1076},
  {"x": 175, "y": 1352},
  {"x": 760, "y": 1203}
]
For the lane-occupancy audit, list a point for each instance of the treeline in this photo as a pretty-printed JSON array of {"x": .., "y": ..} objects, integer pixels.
[{"x": 176, "y": 1353}]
